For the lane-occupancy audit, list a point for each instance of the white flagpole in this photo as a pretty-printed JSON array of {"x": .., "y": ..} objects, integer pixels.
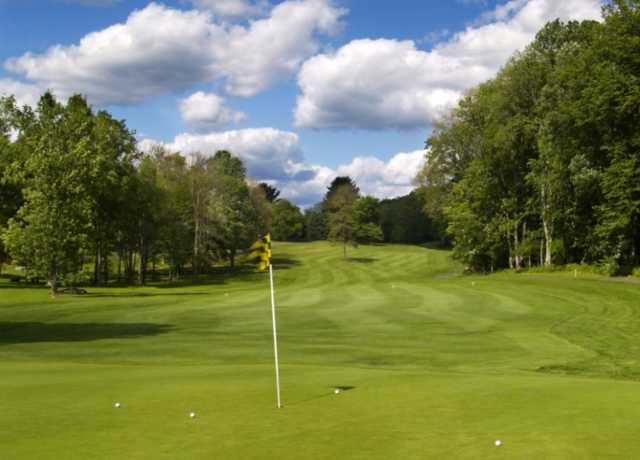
[{"x": 275, "y": 335}]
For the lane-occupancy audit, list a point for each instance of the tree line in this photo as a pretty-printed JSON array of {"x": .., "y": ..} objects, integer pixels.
[
  {"x": 80, "y": 203},
  {"x": 541, "y": 165}
]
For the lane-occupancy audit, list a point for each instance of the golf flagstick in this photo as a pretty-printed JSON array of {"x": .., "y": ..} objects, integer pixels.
[{"x": 275, "y": 335}]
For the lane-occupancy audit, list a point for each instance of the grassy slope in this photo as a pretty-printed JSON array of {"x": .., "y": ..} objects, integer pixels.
[{"x": 441, "y": 365}]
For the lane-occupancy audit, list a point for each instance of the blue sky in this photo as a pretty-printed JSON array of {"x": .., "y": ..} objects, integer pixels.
[{"x": 302, "y": 90}]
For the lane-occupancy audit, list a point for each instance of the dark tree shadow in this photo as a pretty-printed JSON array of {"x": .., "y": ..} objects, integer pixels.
[
  {"x": 13, "y": 332},
  {"x": 343, "y": 387},
  {"x": 140, "y": 294},
  {"x": 362, "y": 260},
  {"x": 330, "y": 394},
  {"x": 284, "y": 263},
  {"x": 436, "y": 246}
]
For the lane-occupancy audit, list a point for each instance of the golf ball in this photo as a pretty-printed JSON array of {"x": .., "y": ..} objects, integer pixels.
[
  {"x": 192, "y": 415},
  {"x": 337, "y": 391},
  {"x": 498, "y": 443},
  {"x": 117, "y": 404}
]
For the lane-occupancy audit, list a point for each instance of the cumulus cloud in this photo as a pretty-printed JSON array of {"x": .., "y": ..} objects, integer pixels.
[
  {"x": 384, "y": 179},
  {"x": 159, "y": 49},
  {"x": 206, "y": 111},
  {"x": 276, "y": 157},
  {"x": 375, "y": 177},
  {"x": 25, "y": 93},
  {"x": 374, "y": 84},
  {"x": 268, "y": 153}
]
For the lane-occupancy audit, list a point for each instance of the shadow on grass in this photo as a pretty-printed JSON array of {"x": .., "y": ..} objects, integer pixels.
[
  {"x": 14, "y": 332},
  {"x": 436, "y": 246},
  {"x": 90, "y": 295},
  {"x": 284, "y": 263},
  {"x": 362, "y": 260},
  {"x": 221, "y": 275},
  {"x": 340, "y": 388}
]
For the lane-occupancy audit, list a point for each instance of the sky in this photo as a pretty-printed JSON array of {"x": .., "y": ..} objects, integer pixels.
[{"x": 301, "y": 90}]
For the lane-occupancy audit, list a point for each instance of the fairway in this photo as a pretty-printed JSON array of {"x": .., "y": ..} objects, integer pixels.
[{"x": 433, "y": 364}]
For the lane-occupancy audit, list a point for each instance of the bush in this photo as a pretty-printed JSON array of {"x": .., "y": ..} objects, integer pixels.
[{"x": 609, "y": 266}]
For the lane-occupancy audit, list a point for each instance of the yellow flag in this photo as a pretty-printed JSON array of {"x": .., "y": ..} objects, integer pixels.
[{"x": 260, "y": 252}]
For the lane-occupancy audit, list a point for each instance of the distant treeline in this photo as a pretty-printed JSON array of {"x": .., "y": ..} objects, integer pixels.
[
  {"x": 80, "y": 203},
  {"x": 541, "y": 165}
]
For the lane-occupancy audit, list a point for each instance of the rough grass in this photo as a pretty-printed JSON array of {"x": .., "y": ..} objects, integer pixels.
[{"x": 435, "y": 365}]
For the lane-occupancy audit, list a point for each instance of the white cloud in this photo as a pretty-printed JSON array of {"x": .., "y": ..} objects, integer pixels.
[
  {"x": 274, "y": 47},
  {"x": 374, "y": 84},
  {"x": 25, "y": 93},
  {"x": 276, "y": 157},
  {"x": 384, "y": 179},
  {"x": 160, "y": 49},
  {"x": 372, "y": 175},
  {"x": 233, "y": 8},
  {"x": 268, "y": 153},
  {"x": 206, "y": 111}
]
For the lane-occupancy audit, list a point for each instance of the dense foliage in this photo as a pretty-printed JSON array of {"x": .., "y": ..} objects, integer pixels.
[
  {"x": 541, "y": 165},
  {"x": 79, "y": 202}
]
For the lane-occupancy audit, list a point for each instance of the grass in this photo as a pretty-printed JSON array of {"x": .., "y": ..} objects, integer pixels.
[{"x": 434, "y": 365}]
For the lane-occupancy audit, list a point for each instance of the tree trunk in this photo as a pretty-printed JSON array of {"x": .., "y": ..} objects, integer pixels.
[
  {"x": 511, "y": 257},
  {"x": 541, "y": 256},
  {"x": 129, "y": 266},
  {"x": 52, "y": 281},
  {"x": 548, "y": 231},
  {"x": 196, "y": 247},
  {"x": 96, "y": 266},
  {"x": 516, "y": 249},
  {"x": 548, "y": 240},
  {"x": 105, "y": 267},
  {"x": 232, "y": 257},
  {"x": 142, "y": 267},
  {"x": 119, "y": 265}
]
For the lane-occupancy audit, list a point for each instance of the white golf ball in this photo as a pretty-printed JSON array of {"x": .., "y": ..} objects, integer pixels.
[
  {"x": 192, "y": 415},
  {"x": 337, "y": 391},
  {"x": 498, "y": 443},
  {"x": 117, "y": 404}
]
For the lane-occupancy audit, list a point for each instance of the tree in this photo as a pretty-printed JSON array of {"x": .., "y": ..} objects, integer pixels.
[
  {"x": 315, "y": 223},
  {"x": 339, "y": 204},
  {"x": 174, "y": 209},
  {"x": 232, "y": 214},
  {"x": 510, "y": 166},
  {"x": 270, "y": 192},
  {"x": 403, "y": 220},
  {"x": 10, "y": 188},
  {"x": 288, "y": 221},
  {"x": 115, "y": 153},
  {"x": 263, "y": 208},
  {"x": 52, "y": 228},
  {"x": 366, "y": 217},
  {"x": 201, "y": 176}
]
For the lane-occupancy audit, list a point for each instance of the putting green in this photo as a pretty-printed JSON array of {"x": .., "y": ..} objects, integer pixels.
[{"x": 434, "y": 365}]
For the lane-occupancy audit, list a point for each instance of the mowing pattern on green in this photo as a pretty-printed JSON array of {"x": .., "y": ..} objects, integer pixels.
[{"x": 434, "y": 365}]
